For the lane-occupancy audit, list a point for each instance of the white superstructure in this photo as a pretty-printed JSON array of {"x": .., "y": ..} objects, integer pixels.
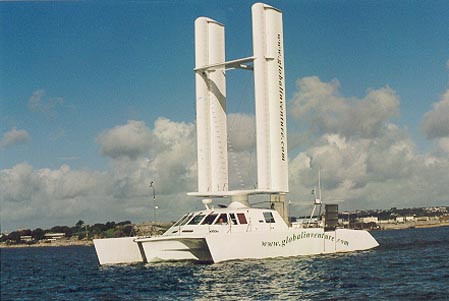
[{"x": 238, "y": 231}]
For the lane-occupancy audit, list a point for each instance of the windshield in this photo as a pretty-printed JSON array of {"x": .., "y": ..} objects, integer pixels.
[
  {"x": 209, "y": 219},
  {"x": 180, "y": 220},
  {"x": 186, "y": 219},
  {"x": 197, "y": 219}
]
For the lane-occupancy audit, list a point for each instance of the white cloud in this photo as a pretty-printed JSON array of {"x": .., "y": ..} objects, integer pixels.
[
  {"x": 242, "y": 151},
  {"x": 170, "y": 133},
  {"x": 443, "y": 144},
  {"x": 14, "y": 137},
  {"x": 365, "y": 159},
  {"x": 435, "y": 123},
  {"x": 242, "y": 132},
  {"x": 65, "y": 183},
  {"x": 165, "y": 154},
  {"x": 45, "y": 196},
  {"x": 320, "y": 106},
  {"x": 173, "y": 162},
  {"x": 37, "y": 103},
  {"x": 370, "y": 173},
  {"x": 18, "y": 183},
  {"x": 369, "y": 163},
  {"x": 171, "y": 151},
  {"x": 131, "y": 140}
]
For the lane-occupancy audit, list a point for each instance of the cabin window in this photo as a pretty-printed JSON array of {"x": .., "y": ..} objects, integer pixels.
[
  {"x": 233, "y": 218},
  {"x": 209, "y": 219},
  {"x": 268, "y": 217},
  {"x": 185, "y": 220},
  {"x": 180, "y": 220},
  {"x": 222, "y": 220},
  {"x": 197, "y": 219},
  {"x": 242, "y": 219}
]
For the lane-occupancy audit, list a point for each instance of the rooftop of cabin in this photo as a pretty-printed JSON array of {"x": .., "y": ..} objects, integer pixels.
[{"x": 229, "y": 216}]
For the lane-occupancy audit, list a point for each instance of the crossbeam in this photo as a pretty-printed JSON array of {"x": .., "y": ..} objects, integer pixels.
[{"x": 239, "y": 64}]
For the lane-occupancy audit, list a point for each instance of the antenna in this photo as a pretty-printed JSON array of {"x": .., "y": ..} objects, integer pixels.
[
  {"x": 154, "y": 201},
  {"x": 317, "y": 195},
  {"x": 318, "y": 200}
]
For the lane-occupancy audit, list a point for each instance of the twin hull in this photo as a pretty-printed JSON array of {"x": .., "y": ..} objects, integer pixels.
[{"x": 218, "y": 247}]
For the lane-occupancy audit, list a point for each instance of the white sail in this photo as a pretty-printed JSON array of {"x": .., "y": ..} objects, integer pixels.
[
  {"x": 269, "y": 84},
  {"x": 211, "y": 107}
]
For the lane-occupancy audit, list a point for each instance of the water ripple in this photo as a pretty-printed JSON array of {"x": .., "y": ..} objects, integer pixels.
[{"x": 409, "y": 265}]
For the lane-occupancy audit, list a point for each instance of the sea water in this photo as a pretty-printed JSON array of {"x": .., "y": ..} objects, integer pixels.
[{"x": 409, "y": 264}]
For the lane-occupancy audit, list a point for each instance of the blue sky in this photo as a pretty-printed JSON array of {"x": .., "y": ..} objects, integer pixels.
[{"x": 74, "y": 72}]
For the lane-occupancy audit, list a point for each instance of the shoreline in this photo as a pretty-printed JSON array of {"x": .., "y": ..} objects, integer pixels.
[
  {"x": 411, "y": 225},
  {"x": 89, "y": 243},
  {"x": 53, "y": 244}
]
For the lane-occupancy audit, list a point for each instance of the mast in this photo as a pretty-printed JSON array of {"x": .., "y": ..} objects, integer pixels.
[
  {"x": 211, "y": 107},
  {"x": 271, "y": 126},
  {"x": 269, "y": 90}
]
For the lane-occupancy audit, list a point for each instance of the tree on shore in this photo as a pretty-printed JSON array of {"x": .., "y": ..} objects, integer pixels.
[
  {"x": 80, "y": 230},
  {"x": 38, "y": 234}
]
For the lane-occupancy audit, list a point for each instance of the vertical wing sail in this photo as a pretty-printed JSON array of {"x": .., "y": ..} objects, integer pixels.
[
  {"x": 269, "y": 84},
  {"x": 211, "y": 106}
]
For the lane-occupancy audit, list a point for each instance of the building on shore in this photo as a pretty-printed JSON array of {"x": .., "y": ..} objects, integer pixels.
[
  {"x": 26, "y": 238},
  {"x": 49, "y": 237}
]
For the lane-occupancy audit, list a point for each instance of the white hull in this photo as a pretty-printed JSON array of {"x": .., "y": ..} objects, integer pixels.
[
  {"x": 288, "y": 243},
  {"x": 219, "y": 247},
  {"x": 117, "y": 250}
]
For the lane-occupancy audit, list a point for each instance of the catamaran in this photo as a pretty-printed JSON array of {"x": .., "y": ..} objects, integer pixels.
[{"x": 239, "y": 231}]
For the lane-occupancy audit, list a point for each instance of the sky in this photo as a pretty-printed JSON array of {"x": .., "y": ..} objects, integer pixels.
[{"x": 97, "y": 100}]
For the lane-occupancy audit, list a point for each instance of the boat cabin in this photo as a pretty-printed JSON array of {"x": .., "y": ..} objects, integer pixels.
[{"x": 227, "y": 220}]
